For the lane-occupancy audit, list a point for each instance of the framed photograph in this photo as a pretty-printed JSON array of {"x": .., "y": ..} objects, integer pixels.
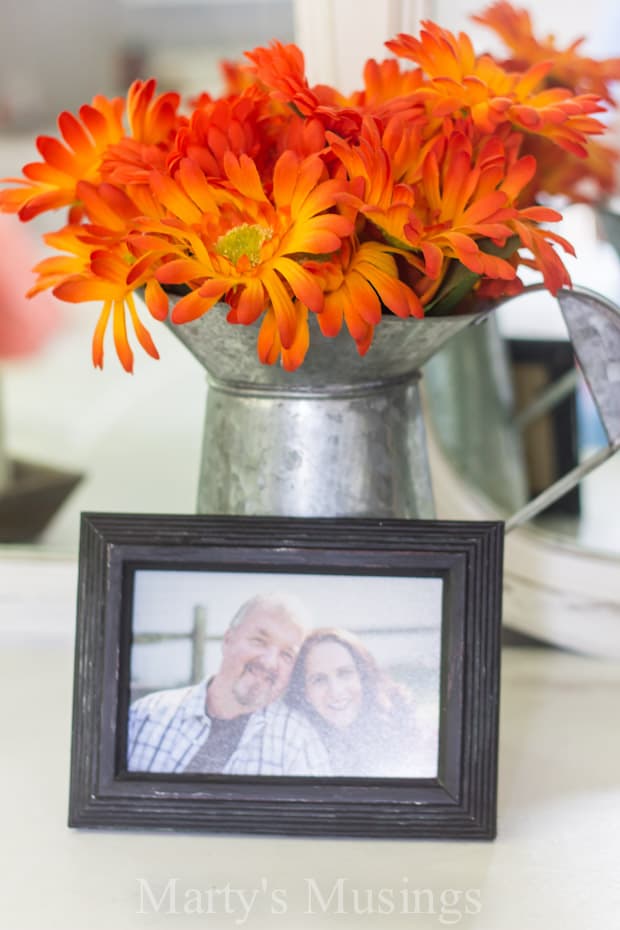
[{"x": 335, "y": 677}]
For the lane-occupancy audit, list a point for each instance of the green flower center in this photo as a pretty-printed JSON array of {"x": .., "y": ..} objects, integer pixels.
[{"x": 243, "y": 240}]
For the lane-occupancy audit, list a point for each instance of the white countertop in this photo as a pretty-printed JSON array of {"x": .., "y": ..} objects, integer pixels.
[{"x": 554, "y": 864}]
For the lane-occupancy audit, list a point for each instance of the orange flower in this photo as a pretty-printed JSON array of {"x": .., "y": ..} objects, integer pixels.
[
  {"x": 88, "y": 273},
  {"x": 281, "y": 199},
  {"x": 459, "y": 81},
  {"x": 152, "y": 119},
  {"x": 382, "y": 168},
  {"x": 462, "y": 198},
  {"x": 96, "y": 266},
  {"x": 95, "y": 149},
  {"x": 569, "y": 68},
  {"x": 358, "y": 283},
  {"x": 105, "y": 279},
  {"x": 233, "y": 242},
  {"x": 388, "y": 89},
  {"x": 51, "y": 183},
  {"x": 471, "y": 197},
  {"x": 387, "y": 83},
  {"x": 579, "y": 178},
  {"x": 538, "y": 241},
  {"x": 281, "y": 68},
  {"x": 562, "y": 174},
  {"x": 243, "y": 125},
  {"x": 153, "y": 124},
  {"x": 269, "y": 344},
  {"x": 56, "y": 269}
]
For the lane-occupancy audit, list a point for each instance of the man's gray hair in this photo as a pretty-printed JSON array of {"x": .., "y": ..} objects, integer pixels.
[{"x": 274, "y": 603}]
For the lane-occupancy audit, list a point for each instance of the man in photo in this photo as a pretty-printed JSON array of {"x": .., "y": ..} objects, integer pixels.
[{"x": 234, "y": 721}]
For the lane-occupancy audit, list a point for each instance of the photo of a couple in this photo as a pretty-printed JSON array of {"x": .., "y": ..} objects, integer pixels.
[{"x": 288, "y": 697}]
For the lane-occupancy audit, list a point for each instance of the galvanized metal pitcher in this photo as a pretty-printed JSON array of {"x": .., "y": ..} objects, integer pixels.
[
  {"x": 345, "y": 435},
  {"x": 342, "y": 435}
]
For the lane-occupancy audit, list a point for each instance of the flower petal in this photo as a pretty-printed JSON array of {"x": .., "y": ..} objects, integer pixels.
[
  {"x": 121, "y": 343},
  {"x": 304, "y": 286},
  {"x": 156, "y": 299}
]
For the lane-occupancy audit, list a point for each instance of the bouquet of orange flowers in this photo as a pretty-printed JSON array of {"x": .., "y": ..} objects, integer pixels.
[{"x": 278, "y": 199}]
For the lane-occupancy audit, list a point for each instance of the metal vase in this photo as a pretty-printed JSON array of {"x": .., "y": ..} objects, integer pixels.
[{"x": 341, "y": 436}]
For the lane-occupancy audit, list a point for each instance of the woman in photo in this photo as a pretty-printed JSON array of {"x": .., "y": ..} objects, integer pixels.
[{"x": 365, "y": 720}]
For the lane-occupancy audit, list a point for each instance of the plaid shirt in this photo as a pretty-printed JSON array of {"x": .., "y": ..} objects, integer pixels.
[{"x": 167, "y": 728}]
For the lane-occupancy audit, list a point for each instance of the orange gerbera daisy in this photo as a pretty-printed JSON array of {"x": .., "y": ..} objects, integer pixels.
[
  {"x": 465, "y": 197},
  {"x": 562, "y": 174},
  {"x": 241, "y": 125},
  {"x": 359, "y": 283},
  {"x": 387, "y": 82},
  {"x": 233, "y": 242},
  {"x": 382, "y": 168},
  {"x": 95, "y": 148},
  {"x": 388, "y": 89},
  {"x": 88, "y": 273},
  {"x": 105, "y": 279},
  {"x": 579, "y": 178},
  {"x": 51, "y": 183},
  {"x": 569, "y": 68},
  {"x": 460, "y": 81},
  {"x": 96, "y": 264},
  {"x": 281, "y": 68},
  {"x": 461, "y": 198},
  {"x": 153, "y": 123}
]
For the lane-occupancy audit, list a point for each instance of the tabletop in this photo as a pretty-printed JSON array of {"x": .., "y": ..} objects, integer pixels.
[{"x": 554, "y": 863}]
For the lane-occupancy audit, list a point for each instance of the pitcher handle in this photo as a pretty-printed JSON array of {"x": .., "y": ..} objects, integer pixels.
[{"x": 593, "y": 325}]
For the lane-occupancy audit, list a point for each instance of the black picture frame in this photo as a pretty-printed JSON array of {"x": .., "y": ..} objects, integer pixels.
[{"x": 459, "y": 803}]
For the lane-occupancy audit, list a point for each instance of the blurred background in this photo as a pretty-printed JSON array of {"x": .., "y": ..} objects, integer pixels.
[{"x": 56, "y": 57}]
